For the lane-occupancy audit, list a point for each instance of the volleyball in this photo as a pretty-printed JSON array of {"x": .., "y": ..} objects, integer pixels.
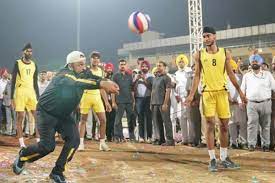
[{"x": 139, "y": 22}]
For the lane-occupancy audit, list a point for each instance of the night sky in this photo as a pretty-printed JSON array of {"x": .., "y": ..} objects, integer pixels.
[{"x": 51, "y": 25}]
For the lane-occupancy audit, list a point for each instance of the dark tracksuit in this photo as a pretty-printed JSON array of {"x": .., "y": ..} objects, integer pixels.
[{"x": 54, "y": 114}]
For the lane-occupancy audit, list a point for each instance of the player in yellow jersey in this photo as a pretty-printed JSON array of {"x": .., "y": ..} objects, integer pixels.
[
  {"x": 24, "y": 89},
  {"x": 92, "y": 99},
  {"x": 212, "y": 64}
]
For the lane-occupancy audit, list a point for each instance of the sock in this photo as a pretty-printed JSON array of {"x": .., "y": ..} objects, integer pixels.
[
  {"x": 212, "y": 154},
  {"x": 21, "y": 142},
  {"x": 81, "y": 140},
  {"x": 102, "y": 140},
  {"x": 37, "y": 139},
  {"x": 223, "y": 153}
]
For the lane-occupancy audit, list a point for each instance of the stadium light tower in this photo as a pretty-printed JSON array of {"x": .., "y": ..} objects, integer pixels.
[
  {"x": 195, "y": 26},
  {"x": 78, "y": 25}
]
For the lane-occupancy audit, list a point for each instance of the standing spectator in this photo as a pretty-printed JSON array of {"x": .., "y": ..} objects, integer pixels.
[
  {"x": 257, "y": 86},
  {"x": 110, "y": 116},
  {"x": 3, "y": 82},
  {"x": 94, "y": 99},
  {"x": 43, "y": 82},
  {"x": 183, "y": 81},
  {"x": 272, "y": 126},
  {"x": 238, "y": 122},
  {"x": 143, "y": 84},
  {"x": 160, "y": 106},
  {"x": 195, "y": 115},
  {"x": 24, "y": 89},
  {"x": 10, "y": 113},
  {"x": 124, "y": 101}
]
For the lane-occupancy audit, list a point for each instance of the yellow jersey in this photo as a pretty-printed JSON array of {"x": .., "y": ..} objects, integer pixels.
[
  {"x": 213, "y": 70},
  {"x": 25, "y": 75},
  {"x": 99, "y": 73}
]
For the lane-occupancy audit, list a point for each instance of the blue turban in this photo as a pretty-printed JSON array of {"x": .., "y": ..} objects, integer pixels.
[{"x": 256, "y": 58}]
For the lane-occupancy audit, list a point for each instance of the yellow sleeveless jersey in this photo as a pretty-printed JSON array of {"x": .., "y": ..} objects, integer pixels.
[
  {"x": 213, "y": 70},
  {"x": 99, "y": 73},
  {"x": 25, "y": 75}
]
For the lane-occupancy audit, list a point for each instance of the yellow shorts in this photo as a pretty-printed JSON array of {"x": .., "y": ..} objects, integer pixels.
[
  {"x": 216, "y": 102},
  {"x": 89, "y": 101},
  {"x": 25, "y": 99}
]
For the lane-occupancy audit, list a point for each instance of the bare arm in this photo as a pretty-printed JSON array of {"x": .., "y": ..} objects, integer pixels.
[
  {"x": 104, "y": 96},
  {"x": 196, "y": 79},
  {"x": 167, "y": 96}
]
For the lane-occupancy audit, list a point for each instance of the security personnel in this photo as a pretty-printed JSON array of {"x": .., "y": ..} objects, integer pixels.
[
  {"x": 54, "y": 114},
  {"x": 24, "y": 89}
]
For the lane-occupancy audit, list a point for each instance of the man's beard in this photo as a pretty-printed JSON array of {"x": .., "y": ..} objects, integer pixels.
[
  {"x": 27, "y": 57},
  {"x": 109, "y": 73},
  {"x": 144, "y": 71},
  {"x": 255, "y": 66}
]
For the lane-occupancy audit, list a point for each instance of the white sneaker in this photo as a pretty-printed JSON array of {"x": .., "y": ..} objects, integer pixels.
[
  {"x": 141, "y": 140},
  {"x": 104, "y": 147},
  {"x": 81, "y": 147},
  {"x": 23, "y": 146}
]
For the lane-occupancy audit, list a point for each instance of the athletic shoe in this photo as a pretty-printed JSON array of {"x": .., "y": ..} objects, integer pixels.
[
  {"x": 234, "y": 146},
  {"x": 104, "y": 147},
  {"x": 201, "y": 145},
  {"x": 251, "y": 148},
  {"x": 141, "y": 140},
  {"x": 213, "y": 167},
  {"x": 149, "y": 141},
  {"x": 227, "y": 163},
  {"x": 81, "y": 147},
  {"x": 18, "y": 166},
  {"x": 169, "y": 143},
  {"x": 57, "y": 178},
  {"x": 266, "y": 149}
]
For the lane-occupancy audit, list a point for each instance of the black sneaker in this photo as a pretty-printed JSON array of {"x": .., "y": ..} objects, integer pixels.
[
  {"x": 156, "y": 142},
  {"x": 213, "y": 167},
  {"x": 57, "y": 178},
  {"x": 18, "y": 165},
  {"x": 201, "y": 145},
  {"x": 266, "y": 149},
  {"x": 251, "y": 148},
  {"x": 117, "y": 140},
  {"x": 169, "y": 143},
  {"x": 234, "y": 146},
  {"x": 243, "y": 146},
  {"x": 227, "y": 163}
]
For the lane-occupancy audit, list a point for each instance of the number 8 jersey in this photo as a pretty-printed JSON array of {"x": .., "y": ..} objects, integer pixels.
[{"x": 213, "y": 70}]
